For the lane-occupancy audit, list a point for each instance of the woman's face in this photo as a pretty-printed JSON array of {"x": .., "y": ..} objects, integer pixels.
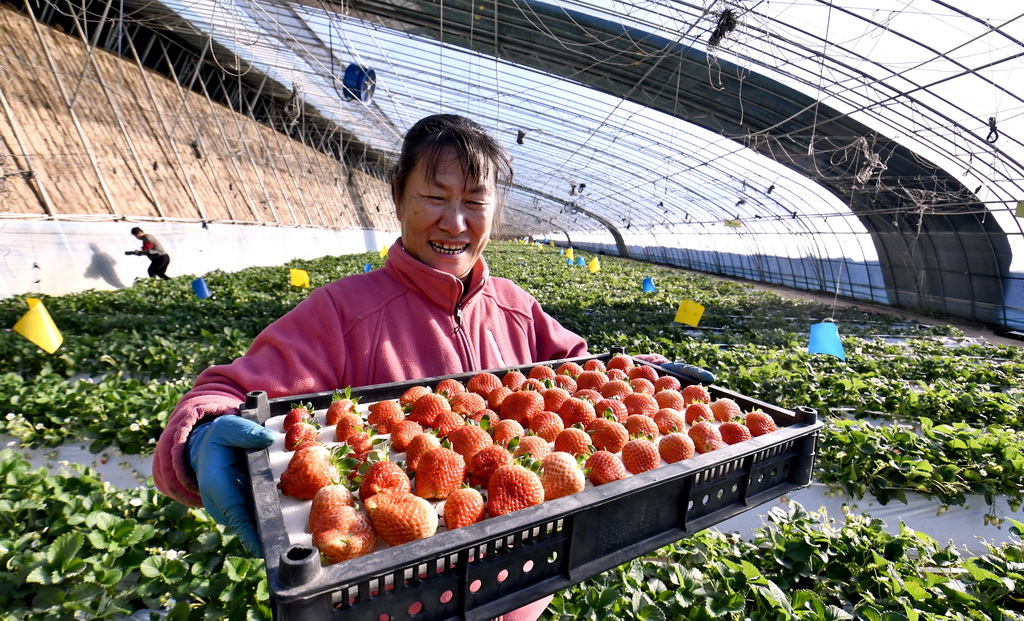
[{"x": 446, "y": 221}]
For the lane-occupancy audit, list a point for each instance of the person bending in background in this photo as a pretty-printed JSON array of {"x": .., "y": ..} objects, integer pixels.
[
  {"x": 158, "y": 257},
  {"x": 432, "y": 310}
]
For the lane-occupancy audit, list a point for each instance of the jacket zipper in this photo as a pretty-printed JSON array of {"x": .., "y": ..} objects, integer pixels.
[{"x": 463, "y": 338}]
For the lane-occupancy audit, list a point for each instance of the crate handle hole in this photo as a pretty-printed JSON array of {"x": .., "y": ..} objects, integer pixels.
[
  {"x": 503, "y": 575},
  {"x": 552, "y": 557},
  {"x": 475, "y": 586},
  {"x": 415, "y": 609},
  {"x": 527, "y": 566},
  {"x": 446, "y": 596}
]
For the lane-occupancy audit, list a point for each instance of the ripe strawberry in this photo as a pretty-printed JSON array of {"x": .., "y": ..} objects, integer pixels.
[
  {"x": 534, "y": 384},
  {"x": 676, "y": 446},
  {"x": 480, "y": 415},
  {"x": 468, "y": 439},
  {"x": 299, "y": 412},
  {"x": 511, "y": 488},
  {"x": 621, "y": 361},
  {"x": 326, "y": 500},
  {"x": 547, "y": 425},
  {"x": 603, "y": 467},
  {"x": 384, "y": 414},
  {"x": 505, "y": 430},
  {"x": 521, "y": 406},
  {"x": 418, "y": 447},
  {"x": 412, "y": 394},
  {"x": 466, "y": 403},
  {"x": 427, "y": 408},
  {"x": 402, "y": 433},
  {"x": 384, "y": 476},
  {"x": 302, "y": 433},
  {"x": 497, "y": 396},
  {"x": 513, "y": 380},
  {"x": 594, "y": 365},
  {"x": 642, "y": 385},
  {"x": 669, "y": 398},
  {"x": 535, "y": 446},
  {"x": 667, "y": 382},
  {"x": 447, "y": 422},
  {"x": 615, "y": 389},
  {"x": 669, "y": 420},
  {"x": 554, "y": 398},
  {"x": 640, "y": 455},
  {"x": 760, "y": 423},
  {"x": 607, "y": 435},
  {"x": 566, "y": 383},
  {"x": 705, "y": 436},
  {"x": 485, "y": 462},
  {"x": 587, "y": 394},
  {"x": 345, "y": 534},
  {"x": 440, "y": 472},
  {"x": 639, "y": 403},
  {"x": 733, "y": 432},
  {"x": 463, "y": 507},
  {"x": 483, "y": 383},
  {"x": 645, "y": 372},
  {"x": 310, "y": 468},
  {"x": 725, "y": 409},
  {"x": 640, "y": 425},
  {"x": 572, "y": 369},
  {"x": 697, "y": 411},
  {"x": 616, "y": 408},
  {"x": 541, "y": 372},
  {"x": 592, "y": 380},
  {"x": 341, "y": 403},
  {"x": 573, "y": 440},
  {"x": 362, "y": 440},
  {"x": 401, "y": 517},
  {"x": 576, "y": 412},
  {"x": 617, "y": 374},
  {"x": 346, "y": 424},
  {"x": 449, "y": 387},
  {"x": 696, "y": 392},
  {"x": 560, "y": 475}
]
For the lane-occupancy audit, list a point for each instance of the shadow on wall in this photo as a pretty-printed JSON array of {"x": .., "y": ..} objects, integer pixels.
[{"x": 102, "y": 266}]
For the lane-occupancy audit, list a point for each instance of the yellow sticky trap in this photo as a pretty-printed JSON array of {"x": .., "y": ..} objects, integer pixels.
[
  {"x": 299, "y": 278},
  {"x": 569, "y": 254},
  {"x": 689, "y": 313},
  {"x": 1020, "y": 209},
  {"x": 383, "y": 252},
  {"x": 594, "y": 266},
  {"x": 551, "y": 243},
  {"x": 37, "y": 326},
  {"x": 733, "y": 223}
]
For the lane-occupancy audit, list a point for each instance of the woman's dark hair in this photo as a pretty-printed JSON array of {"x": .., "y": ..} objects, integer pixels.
[{"x": 433, "y": 137}]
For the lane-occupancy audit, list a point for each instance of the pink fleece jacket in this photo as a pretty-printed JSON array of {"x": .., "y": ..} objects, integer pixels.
[{"x": 403, "y": 322}]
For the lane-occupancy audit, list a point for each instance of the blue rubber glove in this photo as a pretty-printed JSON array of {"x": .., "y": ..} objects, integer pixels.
[
  {"x": 216, "y": 451},
  {"x": 695, "y": 373}
]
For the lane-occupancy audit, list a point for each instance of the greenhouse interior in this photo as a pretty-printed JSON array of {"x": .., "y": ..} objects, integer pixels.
[{"x": 812, "y": 211}]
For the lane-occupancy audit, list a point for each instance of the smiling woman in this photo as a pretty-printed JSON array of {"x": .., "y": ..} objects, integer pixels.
[{"x": 432, "y": 310}]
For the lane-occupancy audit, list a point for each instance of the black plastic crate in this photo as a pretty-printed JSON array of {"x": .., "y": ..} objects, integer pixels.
[{"x": 502, "y": 563}]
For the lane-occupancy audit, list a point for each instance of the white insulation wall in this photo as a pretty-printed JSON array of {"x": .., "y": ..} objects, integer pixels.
[{"x": 58, "y": 257}]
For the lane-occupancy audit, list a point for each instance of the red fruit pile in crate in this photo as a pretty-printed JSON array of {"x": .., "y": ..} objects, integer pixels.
[{"x": 366, "y": 476}]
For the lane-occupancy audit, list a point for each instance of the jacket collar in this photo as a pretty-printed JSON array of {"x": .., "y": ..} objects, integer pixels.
[{"x": 440, "y": 288}]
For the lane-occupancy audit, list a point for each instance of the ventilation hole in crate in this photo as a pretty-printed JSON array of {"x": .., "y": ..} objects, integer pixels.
[
  {"x": 705, "y": 500},
  {"x": 527, "y": 566},
  {"x": 760, "y": 477},
  {"x": 689, "y": 505},
  {"x": 734, "y": 488},
  {"x": 416, "y": 608},
  {"x": 720, "y": 493},
  {"x": 503, "y": 575},
  {"x": 552, "y": 557},
  {"x": 475, "y": 586},
  {"x": 446, "y": 597}
]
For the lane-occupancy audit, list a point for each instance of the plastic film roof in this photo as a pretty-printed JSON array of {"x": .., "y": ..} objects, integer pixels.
[{"x": 872, "y": 149}]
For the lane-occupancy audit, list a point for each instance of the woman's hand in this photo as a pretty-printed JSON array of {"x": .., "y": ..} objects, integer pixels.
[{"x": 216, "y": 452}]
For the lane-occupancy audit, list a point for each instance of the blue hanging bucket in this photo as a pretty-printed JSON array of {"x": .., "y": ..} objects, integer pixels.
[
  {"x": 201, "y": 290},
  {"x": 580, "y": 261},
  {"x": 825, "y": 340},
  {"x": 569, "y": 262},
  {"x": 359, "y": 83},
  {"x": 649, "y": 285},
  {"x": 367, "y": 267}
]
